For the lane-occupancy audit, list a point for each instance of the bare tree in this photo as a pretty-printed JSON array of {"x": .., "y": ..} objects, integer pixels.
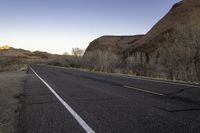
[{"x": 77, "y": 52}]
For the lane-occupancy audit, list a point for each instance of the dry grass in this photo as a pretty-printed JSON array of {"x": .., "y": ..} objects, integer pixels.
[{"x": 11, "y": 64}]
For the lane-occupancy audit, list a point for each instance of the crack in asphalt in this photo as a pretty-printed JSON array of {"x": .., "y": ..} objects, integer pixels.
[
  {"x": 177, "y": 92},
  {"x": 178, "y": 110},
  {"x": 48, "y": 102},
  {"x": 184, "y": 99},
  {"x": 38, "y": 95}
]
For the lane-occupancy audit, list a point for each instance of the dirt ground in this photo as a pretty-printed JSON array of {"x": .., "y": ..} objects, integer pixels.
[{"x": 11, "y": 88}]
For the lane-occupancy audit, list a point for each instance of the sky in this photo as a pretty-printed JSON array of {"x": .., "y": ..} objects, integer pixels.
[{"x": 57, "y": 26}]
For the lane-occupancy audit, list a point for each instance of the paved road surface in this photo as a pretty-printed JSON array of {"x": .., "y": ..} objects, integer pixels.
[{"x": 94, "y": 102}]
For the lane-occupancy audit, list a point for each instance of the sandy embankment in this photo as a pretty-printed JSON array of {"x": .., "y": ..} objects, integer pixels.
[{"x": 11, "y": 87}]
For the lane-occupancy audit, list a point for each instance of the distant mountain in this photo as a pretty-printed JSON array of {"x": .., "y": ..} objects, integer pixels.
[
  {"x": 23, "y": 55},
  {"x": 4, "y": 47}
]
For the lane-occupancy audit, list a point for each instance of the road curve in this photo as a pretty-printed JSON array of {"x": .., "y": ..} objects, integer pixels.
[{"x": 58, "y": 100}]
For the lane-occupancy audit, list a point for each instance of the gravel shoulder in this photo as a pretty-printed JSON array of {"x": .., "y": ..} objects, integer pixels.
[{"x": 11, "y": 89}]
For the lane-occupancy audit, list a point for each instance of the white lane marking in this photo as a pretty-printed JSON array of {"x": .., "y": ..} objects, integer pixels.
[
  {"x": 138, "y": 89},
  {"x": 83, "y": 124}
]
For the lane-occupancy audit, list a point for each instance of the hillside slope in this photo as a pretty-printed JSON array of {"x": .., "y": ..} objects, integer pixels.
[
  {"x": 183, "y": 14},
  {"x": 23, "y": 55},
  {"x": 171, "y": 49},
  {"x": 12, "y": 52},
  {"x": 114, "y": 43}
]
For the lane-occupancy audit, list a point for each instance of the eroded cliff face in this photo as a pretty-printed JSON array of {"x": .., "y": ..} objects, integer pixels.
[
  {"x": 182, "y": 15},
  {"x": 116, "y": 44}
]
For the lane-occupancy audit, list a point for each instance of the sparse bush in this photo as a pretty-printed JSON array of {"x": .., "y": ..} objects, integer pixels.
[
  {"x": 10, "y": 64},
  {"x": 139, "y": 68},
  {"x": 40, "y": 54},
  {"x": 58, "y": 60},
  {"x": 74, "y": 60},
  {"x": 99, "y": 60},
  {"x": 89, "y": 60}
]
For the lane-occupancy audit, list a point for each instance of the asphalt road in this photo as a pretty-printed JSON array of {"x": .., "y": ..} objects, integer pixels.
[{"x": 102, "y": 103}]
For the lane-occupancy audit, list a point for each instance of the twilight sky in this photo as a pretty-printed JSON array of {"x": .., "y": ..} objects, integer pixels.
[{"x": 57, "y": 26}]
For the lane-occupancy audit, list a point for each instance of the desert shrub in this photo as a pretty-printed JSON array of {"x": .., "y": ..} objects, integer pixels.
[
  {"x": 139, "y": 68},
  {"x": 55, "y": 63},
  {"x": 41, "y": 54},
  {"x": 105, "y": 61},
  {"x": 89, "y": 60},
  {"x": 65, "y": 60},
  {"x": 10, "y": 64},
  {"x": 75, "y": 62},
  {"x": 58, "y": 60}
]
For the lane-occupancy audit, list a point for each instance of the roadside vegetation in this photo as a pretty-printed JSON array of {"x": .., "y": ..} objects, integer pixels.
[
  {"x": 176, "y": 58},
  {"x": 181, "y": 55},
  {"x": 10, "y": 64}
]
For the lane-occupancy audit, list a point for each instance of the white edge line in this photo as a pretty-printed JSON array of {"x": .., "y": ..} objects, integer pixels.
[{"x": 82, "y": 123}]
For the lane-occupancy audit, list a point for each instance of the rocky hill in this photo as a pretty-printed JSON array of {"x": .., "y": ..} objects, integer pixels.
[
  {"x": 182, "y": 14},
  {"x": 114, "y": 43},
  {"x": 170, "y": 49}
]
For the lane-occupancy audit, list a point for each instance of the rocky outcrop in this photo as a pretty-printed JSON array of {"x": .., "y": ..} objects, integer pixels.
[
  {"x": 114, "y": 43},
  {"x": 170, "y": 49},
  {"x": 182, "y": 14}
]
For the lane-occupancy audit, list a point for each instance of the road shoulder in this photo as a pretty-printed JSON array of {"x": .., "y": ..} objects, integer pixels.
[{"x": 11, "y": 89}]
